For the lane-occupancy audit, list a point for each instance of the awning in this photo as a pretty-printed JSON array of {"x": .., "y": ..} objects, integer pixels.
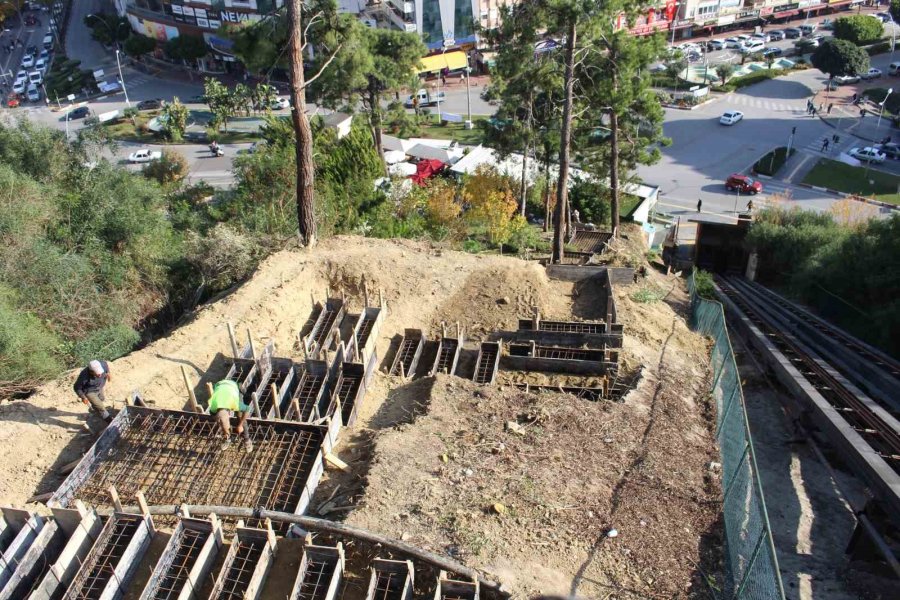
[
  {"x": 787, "y": 13},
  {"x": 437, "y": 62}
]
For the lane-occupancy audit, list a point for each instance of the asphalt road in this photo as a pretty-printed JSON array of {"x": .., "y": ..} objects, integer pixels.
[
  {"x": 79, "y": 43},
  {"x": 28, "y": 36}
]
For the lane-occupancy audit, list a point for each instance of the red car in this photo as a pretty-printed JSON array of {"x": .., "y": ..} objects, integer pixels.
[{"x": 742, "y": 184}]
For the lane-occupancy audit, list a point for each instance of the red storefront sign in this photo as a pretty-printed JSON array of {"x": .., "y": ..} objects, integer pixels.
[{"x": 671, "y": 7}]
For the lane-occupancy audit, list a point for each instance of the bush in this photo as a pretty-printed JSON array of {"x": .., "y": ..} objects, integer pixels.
[
  {"x": 107, "y": 344},
  {"x": 703, "y": 283},
  {"x": 171, "y": 168},
  {"x": 222, "y": 257},
  {"x": 749, "y": 79},
  {"x": 28, "y": 350},
  {"x": 526, "y": 237},
  {"x": 879, "y": 48},
  {"x": 772, "y": 161},
  {"x": 647, "y": 295},
  {"x": 859, "y": 29}
]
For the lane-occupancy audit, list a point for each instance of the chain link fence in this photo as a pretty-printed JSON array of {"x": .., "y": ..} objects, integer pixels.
[{"x": 751, "y": 567}]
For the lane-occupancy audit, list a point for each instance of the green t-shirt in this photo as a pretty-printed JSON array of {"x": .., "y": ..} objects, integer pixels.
[{"x": 226, "y": 395}]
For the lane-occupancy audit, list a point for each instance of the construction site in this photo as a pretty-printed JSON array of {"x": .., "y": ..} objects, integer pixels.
[{"x": 426, "y": 423}]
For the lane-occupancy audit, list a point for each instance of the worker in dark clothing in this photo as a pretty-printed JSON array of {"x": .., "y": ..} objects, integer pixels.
[
  {"x": 224, "y": 403},
  {"x": 699, "y": 205},
  {"x": 89, "y": 387}
]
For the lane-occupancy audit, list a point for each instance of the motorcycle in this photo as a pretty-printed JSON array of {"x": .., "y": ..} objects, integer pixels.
[{"x": 216, "y": 150}]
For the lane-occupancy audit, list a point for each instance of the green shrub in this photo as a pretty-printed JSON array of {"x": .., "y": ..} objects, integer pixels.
[
  {"x": 108, "y": 343},
  {"x": 879, "y": 48},
  {"x": 28, "y": 349},
  {"x": 472, "y": 246},
  {"x": 703, "y": 282},
  {"x": 749, "y": 79},
  {"x": 526, "y": 238},
  {"x": 647, "y": 295},
  {"x": 772, "y": 161},
  {"x": 859, "y": 29}
]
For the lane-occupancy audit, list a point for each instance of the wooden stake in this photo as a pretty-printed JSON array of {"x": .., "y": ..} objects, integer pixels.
[
  {"x": 192, "y": 399},
  {"x": 402, "y": 370},
  {"x": 275, "y": 401},
  {"x": 209, "y": 388},
  {"x": 333, "y": 461},
  {"x": 457, "y": 330},
  {"x": 142, "y": 503},
  {"x": 381, "y": 302},
  {"x": 255, "y": 407},
  {"x": 114, "y": 495},
  {"x": 443, "y": 329},
  {"x": 356, "y": 351},
  {"x": 365, "y": 287},
  {"x": 234, "y": 347},
  {"x": 295, "y": 408},
  {"x": 252, "y": 349},
  {"x": 186, "y": 512},
  {"x": 313, "y": 298}
]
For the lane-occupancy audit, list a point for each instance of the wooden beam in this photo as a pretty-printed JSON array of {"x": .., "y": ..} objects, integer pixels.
[
  {"x": 234, "y": 347},
  {"x": 333, "y": 461},
  {"x": 192, "y": 399},
  {"x": 275, "y": 401},
  {"x": 114, "y": 495}
]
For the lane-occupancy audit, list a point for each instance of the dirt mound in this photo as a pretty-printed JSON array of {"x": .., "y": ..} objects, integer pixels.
[{"x": 422, "y": 286}]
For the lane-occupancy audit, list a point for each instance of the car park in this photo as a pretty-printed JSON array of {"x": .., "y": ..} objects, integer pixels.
[
  {"x": 891, "y": 150},
  {"x": 33, "y": 94},
  {"x": 28, "y": 61},
  {"x": 731, "y": 117},
  {"x": 144, "y": 155},
  {"x": 154, "y": 104},
  {"x": 846, "y": 79},
  {"x": 872, "y": 73},
  {"x": 742, "y": 184},
  {"x": 792, "y": 33},
  {"x": 867, "y": 154},
  {"x": 78, "y": 113},
  {"x": 776, "y": 35}
]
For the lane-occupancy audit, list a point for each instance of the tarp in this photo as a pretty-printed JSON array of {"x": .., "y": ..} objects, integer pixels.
[
  {"x": 394, "y": 156},
  {"x": 426, "y": 169},
  {"x": 403, "y": 169},
  {"x": 448, "y": 60}
]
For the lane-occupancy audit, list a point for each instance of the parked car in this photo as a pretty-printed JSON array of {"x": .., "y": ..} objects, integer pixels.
[
  {"x": 867, "y": 154},
  {"x": 743, "y": 37},
  {"x": 763, "y": 37},
  {"x": 201, "y": 99},
  {"x": 885, "y": 17},
  {"x": 715, "y": 45},
  {"x": 772, "y": 51},
  {"x": 742, "y": 184},
  {"x": 33, "y": 94},
  {"x": 752, "y": 46},
  {"x": 807, "y": 28},
  {"x": 731, "y": 117},
  {"x": 846, "y": 79},
  {"x": 45, "y": 55},
  {"x": 281, "y": 103},
  {"x": 894, "y": 68},
  {"x": 792, "y": 33},
  {"x": 35, "y": 78},
  {"x": 28, "y": 61},
  {"x": 41, "y": 66},
  {"x": 891, "y": 150},
  {"x": 872, "y": 73},
  {"x": 78, "y": 113},
  {"x": 154, "y": 104},
  {"x": 776, "y": 35},
  {"x": 144, "y": 155},
  {"x": 19, "y": 86},
  {"x": 732, "y": 42}
]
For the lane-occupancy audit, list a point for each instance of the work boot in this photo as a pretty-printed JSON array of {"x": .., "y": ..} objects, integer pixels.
[
  {"x": 248, "y": 446},
  {"x": 226, "y": 444}
]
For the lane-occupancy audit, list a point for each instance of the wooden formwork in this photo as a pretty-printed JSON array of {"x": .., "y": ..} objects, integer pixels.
[
  {"x": 26, "y": 527},
  {"x": 113, "y": 548},
  {"x": 447, "y": 354},
  {"x": 408, "y": 353},
  {"x": 326, "y": 328},
  {"x": 272, "y": 396},
  {"x": 80, "y": 528},
  {"x": 246, "y": 565},
  {"x": 173, "y": 577},
  {"x": 453, "y": 589},
  {"x": 320, "y": 574},
  {"x": 487, "y": 363},
  {"x": 365, "y": 334},
  {"x": 390, "y": 580}
]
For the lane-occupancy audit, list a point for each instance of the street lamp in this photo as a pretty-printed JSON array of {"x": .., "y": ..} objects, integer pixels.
[
  {"x": 893, "y": 34},
  {"x": 881, "y": 112},
  {"x": 122, "y": 79},
  {"x": 468, "y": 123}
]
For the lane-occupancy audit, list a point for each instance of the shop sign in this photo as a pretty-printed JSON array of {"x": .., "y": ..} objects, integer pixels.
[{"x": 786, "y": 7}]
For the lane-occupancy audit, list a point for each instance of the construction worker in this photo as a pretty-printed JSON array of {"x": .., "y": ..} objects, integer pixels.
[
  {"x": 224, "y": 403},
  {"x": 89, "y": 387}
]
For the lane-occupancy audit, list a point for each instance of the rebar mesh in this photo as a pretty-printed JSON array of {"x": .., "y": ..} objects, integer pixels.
[
  {"x": 316, "y": 577},
  {"x": 101, "y": 562},
  {"x": 389, "y": 585},
  {"x": 240, "y": 571},
  {"x": 487, "y": 363},
  {"x": 187, "y": 549},
  {"x": 751, "y": 565}
]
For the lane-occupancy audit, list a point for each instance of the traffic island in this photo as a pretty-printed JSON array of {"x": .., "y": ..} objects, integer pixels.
[
  {"x": 866, "y": 182},
  {"x": 770, "y": 163}
]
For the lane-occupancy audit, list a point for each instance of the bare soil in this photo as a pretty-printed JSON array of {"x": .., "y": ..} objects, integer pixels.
[{"x": 433, "y": 461}]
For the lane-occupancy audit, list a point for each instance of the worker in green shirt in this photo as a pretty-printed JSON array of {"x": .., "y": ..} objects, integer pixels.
[{"x": 224, "y": 404}]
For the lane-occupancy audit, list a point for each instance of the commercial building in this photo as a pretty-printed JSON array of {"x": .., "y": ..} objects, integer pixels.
[{"x": 443, "y": 23}]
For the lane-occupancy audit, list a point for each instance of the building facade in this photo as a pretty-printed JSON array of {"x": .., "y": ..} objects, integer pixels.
[{"x": 444, "y": 23}]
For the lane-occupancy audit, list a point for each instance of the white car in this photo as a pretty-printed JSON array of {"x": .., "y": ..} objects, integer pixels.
[
  {"x": 35, "y": 78},
  {"x": 34, "y": 94},
  {"x": 19, "y": 87},
  {"x": 846, "y": 79},
  {"x": 731, "y": 117},
  {"x": 717, "y": 44},
  {"x": 732, "y": 43},
  {"x": 28, "y": 61},
  {"x": 41, "y": 65},
  {"x": 872, "y": 73},
  {"x": 867, "y": 154},
  {"x": 763, "y": 37},
  {"x": 281, "y": 103},
  {"x": 144, "y": 156},
  {"x": 23, "y": 75}
]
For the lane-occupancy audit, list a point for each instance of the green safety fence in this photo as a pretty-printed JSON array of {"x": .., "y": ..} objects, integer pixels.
[{"x": 751, "y": 567}]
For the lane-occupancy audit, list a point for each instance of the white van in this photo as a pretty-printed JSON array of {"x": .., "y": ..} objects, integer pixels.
[
  {"x": 751, "y": 46},
  {"x": 894, "y": 68},
  {"x": 807, "y": 29},
  {"x": 48, "y": 42}
]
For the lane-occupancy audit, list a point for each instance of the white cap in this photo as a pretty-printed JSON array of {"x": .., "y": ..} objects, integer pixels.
[{"x": 96, "y": 367}]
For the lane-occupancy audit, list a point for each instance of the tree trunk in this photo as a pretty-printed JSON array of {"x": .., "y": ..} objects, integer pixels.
[
  {"x": 546, "y": 191},
  {"x": 614, "y": 164},
  {"x": 306, "y": 218},
  {"x": 523, "y": 187},
  {"x": 375, "y": 108},
  {"x": 562, "y": 189}
]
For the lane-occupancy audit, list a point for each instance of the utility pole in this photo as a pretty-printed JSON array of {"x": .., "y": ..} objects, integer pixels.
[
  {"x": 468, "y": 124},
  {"x": 122, "y": 79}
]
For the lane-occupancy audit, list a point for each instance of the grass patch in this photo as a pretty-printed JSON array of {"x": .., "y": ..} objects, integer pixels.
[
  {"x": 853, "y": 180},
  {"x": 648, "y": 295},
  {"x": 877, "y": 95},
  {"x": 772, "y": 161},
  {"x": 628, "y": 203},
  {"x": 455, "y": 131},
  {"x": 749, "y": 79},
  {"x": 124, "y": 130}
]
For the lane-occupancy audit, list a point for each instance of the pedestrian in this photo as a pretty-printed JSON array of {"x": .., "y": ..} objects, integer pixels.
[
  {"x": 835, "y": 139},
  {"x": 576, "y": 216},
  {"x": 749, "y": 205},
  {"x": 854, "y": 98},
  {"x": 225, "y": 403},
  {"x": 89, "y": 387},
  {"x": 862, "y": 113},
  {"x": 821, "y": 106},
  {"x": 825, "y": 145},
  {"x": 699, "y": 205},
  {"x": 809, "y": 106},
  {"x": 830, "y": 106}
]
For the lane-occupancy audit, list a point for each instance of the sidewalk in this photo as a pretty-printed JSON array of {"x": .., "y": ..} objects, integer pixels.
[{"x": 846, "y": 117}]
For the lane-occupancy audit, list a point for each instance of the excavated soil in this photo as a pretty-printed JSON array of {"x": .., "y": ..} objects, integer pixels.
[{"x": 526, "y": 487}]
